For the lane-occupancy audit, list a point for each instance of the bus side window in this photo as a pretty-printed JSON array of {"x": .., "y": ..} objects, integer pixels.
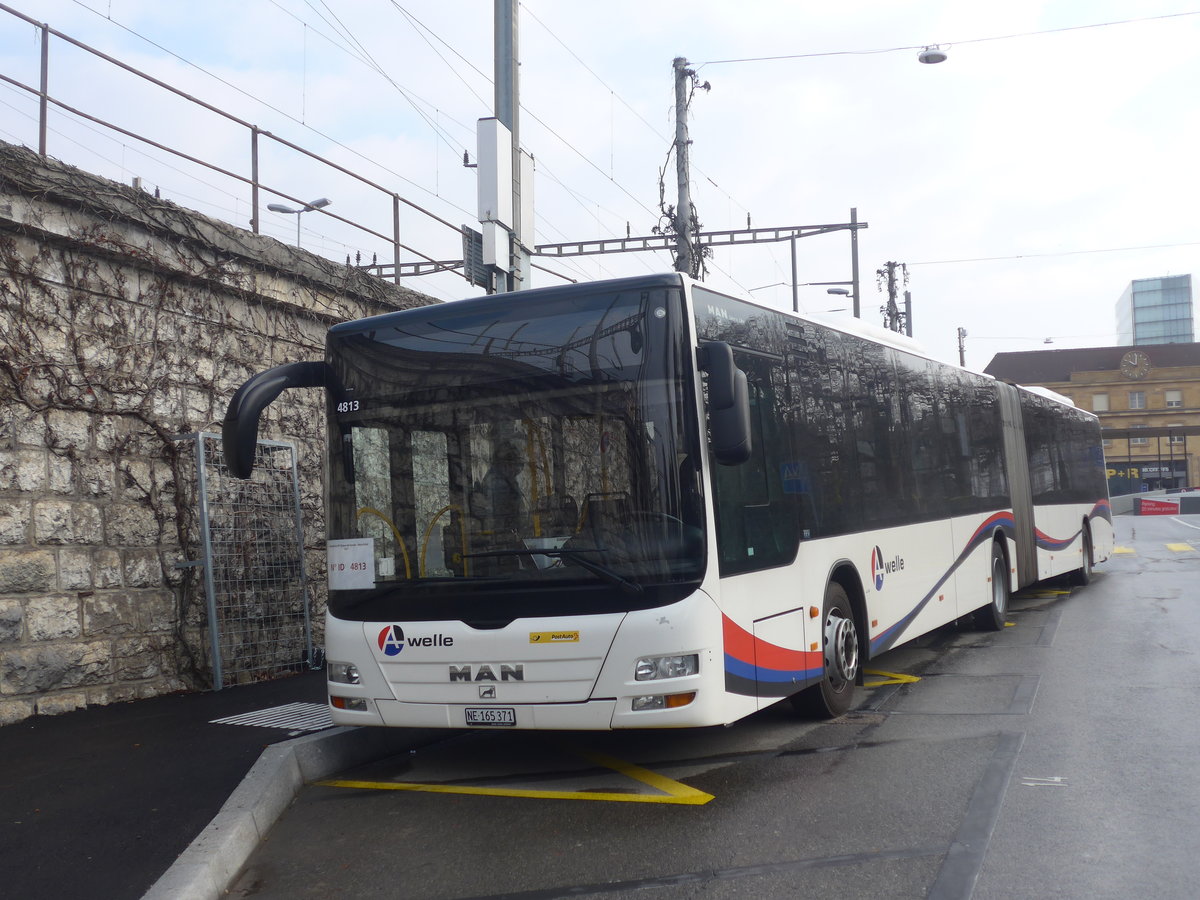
[{"x": 757, "y": 523}]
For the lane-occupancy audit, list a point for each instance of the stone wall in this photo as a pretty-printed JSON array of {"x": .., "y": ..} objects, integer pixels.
[{"x": 126, "y": 321}]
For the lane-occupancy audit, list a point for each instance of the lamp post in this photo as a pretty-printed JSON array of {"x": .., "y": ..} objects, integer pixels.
[{"x": 307, "y": 207}]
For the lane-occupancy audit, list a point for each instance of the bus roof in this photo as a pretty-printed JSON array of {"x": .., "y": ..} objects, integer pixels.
[
  {"x": 856, "y": 327},
  {"x": 665, "y": 279},
  {"x": 1047, "y": 393}
]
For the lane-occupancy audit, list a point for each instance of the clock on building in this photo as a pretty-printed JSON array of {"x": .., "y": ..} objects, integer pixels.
[{"x": 1135, "y": 364}]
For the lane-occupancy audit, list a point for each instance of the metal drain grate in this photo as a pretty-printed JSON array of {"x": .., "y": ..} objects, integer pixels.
[{"x": 290, "y": 717}]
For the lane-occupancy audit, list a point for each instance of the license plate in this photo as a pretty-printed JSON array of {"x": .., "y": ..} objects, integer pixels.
[{"x": 491, "y": 715}]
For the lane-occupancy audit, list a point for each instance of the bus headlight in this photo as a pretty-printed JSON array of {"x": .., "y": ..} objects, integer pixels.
[
  {"x": 343, "y": 673},
  {"x": 652, "y": 668}
]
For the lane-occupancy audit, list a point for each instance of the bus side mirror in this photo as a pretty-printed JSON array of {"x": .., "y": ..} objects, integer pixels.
[
  {"x": 239, "y": 432},
  {"x": 728, "y": 404}
]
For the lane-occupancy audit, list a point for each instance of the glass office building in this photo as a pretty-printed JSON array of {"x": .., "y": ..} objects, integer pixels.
[{"x": 1156, "y": 311}]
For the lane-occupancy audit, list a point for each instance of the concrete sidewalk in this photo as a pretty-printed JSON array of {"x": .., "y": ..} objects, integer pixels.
[{"x": 155, "y": 795}]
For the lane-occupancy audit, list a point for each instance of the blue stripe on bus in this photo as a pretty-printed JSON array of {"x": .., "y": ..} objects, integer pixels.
[
  {"x": 745, "y": 678},
  {"x": 1045, "y": 542},
  {"x": 749, "y": 670}
]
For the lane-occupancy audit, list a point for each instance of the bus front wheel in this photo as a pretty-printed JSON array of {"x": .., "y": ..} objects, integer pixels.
[{"x": 833, "y": 694}]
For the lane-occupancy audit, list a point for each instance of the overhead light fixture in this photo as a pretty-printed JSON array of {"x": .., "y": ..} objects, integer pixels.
[{"x": 931, "y": 55}]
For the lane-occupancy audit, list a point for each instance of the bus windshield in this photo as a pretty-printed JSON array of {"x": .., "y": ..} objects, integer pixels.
[{"x": 504, "y": 454}]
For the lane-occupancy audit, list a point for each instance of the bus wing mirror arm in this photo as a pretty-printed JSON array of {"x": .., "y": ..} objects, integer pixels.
[
  {"x": 728, "y": 403},
  {"x": 239, "y": 432}
]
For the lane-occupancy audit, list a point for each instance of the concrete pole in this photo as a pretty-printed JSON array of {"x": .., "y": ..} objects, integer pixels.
[
  {"x": 795, "y": 287},
  {"x": 854, "y": 259},
  {"x": 683, "y": 209},
  {"x": 44, "y": 94},
  {"x": 508, "y": 105}
]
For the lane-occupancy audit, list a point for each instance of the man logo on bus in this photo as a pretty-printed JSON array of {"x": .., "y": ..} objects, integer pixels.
[
  {"x": 391, "y": 640},
  {"x": 881, "y": 567}
]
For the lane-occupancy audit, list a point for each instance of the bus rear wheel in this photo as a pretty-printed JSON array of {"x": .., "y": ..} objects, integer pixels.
[
  {"x": 992, "y": 616},
  {"x": 1083, "y": 575},
  {"x": 832, "y": 696}
]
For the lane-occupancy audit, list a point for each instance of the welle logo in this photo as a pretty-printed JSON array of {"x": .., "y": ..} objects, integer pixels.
[
  {"x": 881, "y": 567},
  {"x": 391, "y": 640}
]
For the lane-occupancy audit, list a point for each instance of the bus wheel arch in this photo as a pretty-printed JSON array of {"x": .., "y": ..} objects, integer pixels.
[
  {"x": 843, "y": 645},
  {"x": 847, "y": 576}
]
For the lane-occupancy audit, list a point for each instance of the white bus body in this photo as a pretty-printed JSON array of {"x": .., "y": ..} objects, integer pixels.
[{"x": 848, "y": 495}]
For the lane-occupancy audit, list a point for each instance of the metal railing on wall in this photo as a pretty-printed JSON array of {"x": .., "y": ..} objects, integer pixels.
[{"x": 256, "y": 135}]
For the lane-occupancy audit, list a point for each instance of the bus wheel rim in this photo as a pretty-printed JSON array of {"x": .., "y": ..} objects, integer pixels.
[
  {"x": 841, "y": 650},
  {"x": 999, "y": 594}
]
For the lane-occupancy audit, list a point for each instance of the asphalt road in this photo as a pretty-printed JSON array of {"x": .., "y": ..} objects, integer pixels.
[
  {"x": 1052, "y": 759},
  {"x": 100, "y": 801}
]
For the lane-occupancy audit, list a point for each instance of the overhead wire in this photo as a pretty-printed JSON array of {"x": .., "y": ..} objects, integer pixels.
[
  {"x": 286, "y": 115},
  {"x": 378, "y": 68},
  {"x": 422, "y": 29},
  {"x": 653, "y": 129},
  {"x": 373, "y": 64},
  {"x": 999, "y": 37},
  {"x": 361, "y": 55},
  {"x": 977, "y": 259},
  {"x": 570, "y": 146}
]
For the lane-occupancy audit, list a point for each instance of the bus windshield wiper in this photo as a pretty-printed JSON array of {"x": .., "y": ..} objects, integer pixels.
[{"x": 575, "y": 555}]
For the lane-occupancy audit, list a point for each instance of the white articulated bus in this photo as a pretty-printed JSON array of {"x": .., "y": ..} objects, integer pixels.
[{"x": 642, "y": 503}]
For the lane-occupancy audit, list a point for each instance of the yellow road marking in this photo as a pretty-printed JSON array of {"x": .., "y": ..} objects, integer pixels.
[
  {"x": 888, "y": 678},
  {"x": 1117, "y": 550},
  {"x": 1040, "y": 594},
  {"x": 1181, "y": 548},
  {"x": 672, "y": 791}
]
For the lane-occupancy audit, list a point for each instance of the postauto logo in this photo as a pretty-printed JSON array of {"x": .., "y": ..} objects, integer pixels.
[
  {"x": 881, "y": 567},
  {"x": 391, "y": 640}
]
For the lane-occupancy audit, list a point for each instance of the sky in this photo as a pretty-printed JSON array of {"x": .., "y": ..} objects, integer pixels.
[{"x": 1023, "y": 182}]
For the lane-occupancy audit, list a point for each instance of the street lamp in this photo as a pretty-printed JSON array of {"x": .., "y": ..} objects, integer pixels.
[
  {"x": 931, "y": 56},
  {"x": 308, "y": 207}
]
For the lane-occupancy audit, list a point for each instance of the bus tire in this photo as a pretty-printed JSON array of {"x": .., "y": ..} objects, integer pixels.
[
  {"x": 992, "y": 616},
  {"x": 1083, "y": 575},
  {"x": 832, "y": 696}
]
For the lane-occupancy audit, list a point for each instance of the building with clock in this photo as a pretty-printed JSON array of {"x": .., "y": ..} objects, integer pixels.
[{"x": 1147, "y": 397}]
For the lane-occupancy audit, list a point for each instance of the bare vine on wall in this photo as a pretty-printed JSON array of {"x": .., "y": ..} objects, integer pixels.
[
  {"x": 127, "y": 321},
  {"x": 144, "y": 361}
]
